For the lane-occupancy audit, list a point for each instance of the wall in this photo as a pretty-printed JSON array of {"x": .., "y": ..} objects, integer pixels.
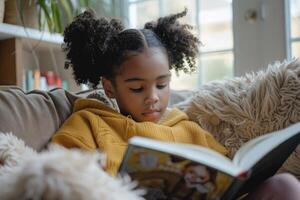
[{"x": 261, "y": 42}]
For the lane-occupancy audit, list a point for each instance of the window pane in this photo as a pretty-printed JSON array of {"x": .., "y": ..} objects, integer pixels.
[
  {"x": 296, "y": 49},
  {"x": 142, "y": 12},
  {"x": 216, "y": 66},
  {"x": 175, "y": 6},
  {"x": 215, "y": 25},
  {"x": 103, "y": 7},
  {"x": 184, "y": 81},
  {"x": 295, "y": 15},
  {"x": 135, "y": 0}
]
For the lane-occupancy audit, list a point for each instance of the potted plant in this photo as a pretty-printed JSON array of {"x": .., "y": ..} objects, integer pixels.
[
  {"x": 51, "y": 15},
  {"x": 20, "y": 12},
  {"x": 54, "y": 15},
  {"x": 58, "y": 13}
]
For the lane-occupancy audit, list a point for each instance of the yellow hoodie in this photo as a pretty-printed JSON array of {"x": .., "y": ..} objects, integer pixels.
[{"x": 93, "y": 126}]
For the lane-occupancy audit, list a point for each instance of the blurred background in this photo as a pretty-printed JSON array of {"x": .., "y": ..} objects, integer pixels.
[{"x": 238, "y": 36}]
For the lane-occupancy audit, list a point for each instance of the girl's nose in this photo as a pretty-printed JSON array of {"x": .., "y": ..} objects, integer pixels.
[{"x": 152, "y": 98}]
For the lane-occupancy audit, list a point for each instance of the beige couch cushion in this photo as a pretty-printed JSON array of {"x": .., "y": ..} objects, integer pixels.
[{"x": 34, "y": 116}]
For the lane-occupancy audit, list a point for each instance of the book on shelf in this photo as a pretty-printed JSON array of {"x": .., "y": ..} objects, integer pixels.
[
  {"x": 183, "y": 171},
  {"x": 36, "y": 79},
  {"x": 43, "y": 83},
  {"x": 50, "y": 78},
  {"x": 46, "y": 80}
]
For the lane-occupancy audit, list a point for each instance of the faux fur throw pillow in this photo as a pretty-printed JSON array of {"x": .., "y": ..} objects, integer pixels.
[{"x": 242, "y": 108}]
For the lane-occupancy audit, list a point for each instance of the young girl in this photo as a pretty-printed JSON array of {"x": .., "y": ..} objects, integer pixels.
[{"x": 134, "y": 68}]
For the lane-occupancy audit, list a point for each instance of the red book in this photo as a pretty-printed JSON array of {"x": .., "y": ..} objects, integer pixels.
[
  {"x": 50, "y": 78},
  {"x": 58, "y": 81}
]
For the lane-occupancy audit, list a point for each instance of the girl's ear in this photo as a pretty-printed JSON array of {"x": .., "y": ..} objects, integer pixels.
[{"x": 108, "y": 88}]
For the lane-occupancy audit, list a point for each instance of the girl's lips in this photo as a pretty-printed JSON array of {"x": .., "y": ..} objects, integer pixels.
[
  {"x": 150, "y": 112},
  {"x": 152, "y": 115}
]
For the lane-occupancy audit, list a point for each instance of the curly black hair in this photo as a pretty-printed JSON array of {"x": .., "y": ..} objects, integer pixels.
[{"x": 96, "y": 47}]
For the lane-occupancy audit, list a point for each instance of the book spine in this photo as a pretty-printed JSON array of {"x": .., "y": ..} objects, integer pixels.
[
  {"x": 24, "y": 84},
  {"x": 36, "y": 79},
  {"x": 65, "y": 85},
  {"x": 50, "y": 77},
  {"x": 58, "y": 81},
  {"x": 29, "y": 80},
  {"x": 43, "y": 83}
]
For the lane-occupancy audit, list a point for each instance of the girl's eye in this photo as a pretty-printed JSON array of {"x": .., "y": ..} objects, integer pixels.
[
  {"x": 161, "y": 86},
  {"x": 137, "y": 90}
]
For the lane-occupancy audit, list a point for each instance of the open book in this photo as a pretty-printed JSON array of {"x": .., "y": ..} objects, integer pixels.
[{"x": 183, "y": 171}]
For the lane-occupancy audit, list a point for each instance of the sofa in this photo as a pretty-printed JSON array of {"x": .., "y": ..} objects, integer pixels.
[{"x": 233, "y": 110}]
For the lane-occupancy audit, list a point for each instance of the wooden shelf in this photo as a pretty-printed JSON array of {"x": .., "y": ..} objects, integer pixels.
[
  {"x": 8, "y": 31},
  {"x": 23, "y": 49}
]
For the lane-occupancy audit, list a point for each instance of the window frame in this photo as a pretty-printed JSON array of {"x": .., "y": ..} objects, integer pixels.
[{"x": 288, "y": 30}]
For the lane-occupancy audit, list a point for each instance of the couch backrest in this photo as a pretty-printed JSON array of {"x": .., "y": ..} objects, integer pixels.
[{"x": 34, "y": 116}]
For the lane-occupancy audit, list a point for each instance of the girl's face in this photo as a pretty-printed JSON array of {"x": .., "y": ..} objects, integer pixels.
[{"x": 141, "y": 87}]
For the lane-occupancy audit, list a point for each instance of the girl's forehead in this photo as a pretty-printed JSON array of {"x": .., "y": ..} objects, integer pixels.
[{"x": 152, "y": 60}]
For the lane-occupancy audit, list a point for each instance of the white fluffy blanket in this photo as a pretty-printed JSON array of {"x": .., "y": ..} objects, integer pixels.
[
  {"x": 242, "y": 108},
  {"x": 57, "y": 174}
]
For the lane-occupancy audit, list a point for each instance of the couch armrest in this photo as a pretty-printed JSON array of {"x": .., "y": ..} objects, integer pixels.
[{"x": 36, "y": 115}]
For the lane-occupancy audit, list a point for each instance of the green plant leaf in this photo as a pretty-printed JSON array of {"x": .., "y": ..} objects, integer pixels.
[
  {"x": 31, "y": 2},
  {"x": 56, "y": 17},
  {"x": 68, "y": 8},
  {"x": 46, "y": 12},
  {"x": 57, "y": 13},
  {"x": 20, "y": 7},
  {"x": 40, "y": 18},
  {"x": 83, "y": 3}
]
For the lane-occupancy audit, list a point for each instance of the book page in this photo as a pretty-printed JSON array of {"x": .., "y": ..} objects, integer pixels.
[
  {"x": 166, "y": 176},
  {"x": 253, "y": 151},
  {"x": 196, "y": 153}
]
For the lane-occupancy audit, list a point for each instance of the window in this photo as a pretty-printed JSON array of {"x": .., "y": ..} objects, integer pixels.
[
  {"x": 212, "y": 20},
  {"x": 216, "y": 58},
  {"x": 294, "y": 32}
]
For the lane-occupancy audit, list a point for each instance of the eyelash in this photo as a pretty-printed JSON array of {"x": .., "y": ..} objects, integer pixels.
[
  {"x": 138, "y": 90},
  {"x": 161, "y": 86}
]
